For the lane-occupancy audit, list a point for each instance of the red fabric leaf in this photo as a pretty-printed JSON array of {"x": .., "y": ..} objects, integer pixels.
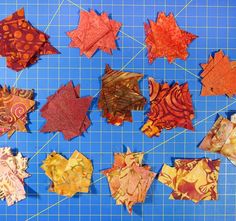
[
  {"x": 219, "y": 76},
  {"x": 21, "y": 43},
  {"x": 66, "y": 112},
  {"x": 171, "y": 106},
  {"x": 94, "y": 32},
  {"x": 164, "y": 38}
]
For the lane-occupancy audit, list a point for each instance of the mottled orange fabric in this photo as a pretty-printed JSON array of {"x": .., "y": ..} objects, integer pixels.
[
  {"x": 219, "y": 76},
  {"x": 164, "y": 38}
]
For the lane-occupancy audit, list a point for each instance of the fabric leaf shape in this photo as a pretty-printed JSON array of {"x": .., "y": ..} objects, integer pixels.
[
  {"x": 68, "y": 176},
  {"x": 170, "y": 107},
  {"x": 66, "y": 112},
  {"x": 94, "y": 32},
  {"x": 21, "y": 43},
  {"x": 12, "y": 175},
  {"x": 192, "y": 179},
  {"x": 164, "y": 38},
  {"x": 128, "y": 179},
  {"x": 15, "y": 104},
  {"x": 120, "y": 94},
  {"x": 222, "y": 138},
  {"x": 218, "y": 76}
]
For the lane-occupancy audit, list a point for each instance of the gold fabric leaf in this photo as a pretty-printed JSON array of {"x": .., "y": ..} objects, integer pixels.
[{"x": 68, "y": 176}]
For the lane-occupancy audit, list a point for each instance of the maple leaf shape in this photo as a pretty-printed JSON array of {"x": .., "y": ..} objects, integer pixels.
[
  {"x": 120, "y": 94},
  {"x": 170, "y": 107},
  {"x": 94, "y": 32},
  {"x": 12, "y": 175},
  {"x": 164, "y": 38},
  {"x": 77, "y": 172},
  {"x": 14, "y": 106},
  {"x": 221, "y": 138},
  {"x": 184, "y": 182},
  {"x": 21, "y": 43},
  {"x": 219, "y": 76},
  {"x": 66, "y": 112},
  {"x": 128, "y": 179}
]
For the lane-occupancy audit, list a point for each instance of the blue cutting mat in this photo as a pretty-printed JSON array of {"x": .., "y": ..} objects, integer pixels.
[{"x": 214, "y": 21}]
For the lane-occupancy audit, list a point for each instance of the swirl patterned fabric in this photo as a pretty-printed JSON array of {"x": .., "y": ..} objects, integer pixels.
[
  {"x": 192, "y": 179},
  {"x": 21, "y": 43},
  {"x": 12, "y": 175},
  {"x": 170, "y": 107},
  {"x": 222, "y": 138},
  {"x": 120, "y": 94},
  {"x": 14, "y": 106},
  {"x": 128, "y": 179},
  {"x": 68, "y": 176}
]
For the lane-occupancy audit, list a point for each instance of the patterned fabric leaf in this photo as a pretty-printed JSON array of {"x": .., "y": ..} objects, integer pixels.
[
  {"x": 170, "y": 107},
  {"x": 21, "y": 43},
  {"x": 68, "y": 176},
  {"x": 12, "y": 175},
  {"x": 94, "y": 32},
  {"x": 222, "y": 138},
  {"x": 120, "y": 94},
  {"x": 15, "y": 104},
  {"x": 164, "y": 38},
  {"x": 128, "y": 179},
  {"x": 192, "y": 179}
]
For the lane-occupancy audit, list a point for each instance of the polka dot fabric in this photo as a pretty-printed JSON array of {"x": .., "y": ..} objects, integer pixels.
[{"x": 21, "y": 43}]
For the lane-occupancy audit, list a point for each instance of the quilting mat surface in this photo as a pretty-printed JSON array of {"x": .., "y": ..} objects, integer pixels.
[{"x": 214, "y": 21}]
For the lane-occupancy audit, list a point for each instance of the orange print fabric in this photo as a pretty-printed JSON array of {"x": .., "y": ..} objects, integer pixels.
[
  {"x": 164, "y": 38},
  {"x": 15, "y": 104},
  {"x": 21, "y": 43},
  {"x": 192, "y": 179},
  {"x": 170, "y": 107},
  {"x": 128, "y": 179},
  {"x": 120, "y": 94},
  {"x": 219, "y": 76},
  {"x": 222, "y": 138}
]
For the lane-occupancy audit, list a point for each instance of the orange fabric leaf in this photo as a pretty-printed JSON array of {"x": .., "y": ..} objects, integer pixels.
[
  {"x": 128, "y": 179},
  {"x": 222, "y": 138},
  {"x": 219, "y": 76},
  {"x": 120, "y": 94},
  {"x": 164, "y": 38},
  {"x": 170, "y": 107},
  {"x": 192, "y": 179},
  {"x": 21, "y": 43},
  {"x": 15, "y": 104},
  {"x": 94, "y": 32}
]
